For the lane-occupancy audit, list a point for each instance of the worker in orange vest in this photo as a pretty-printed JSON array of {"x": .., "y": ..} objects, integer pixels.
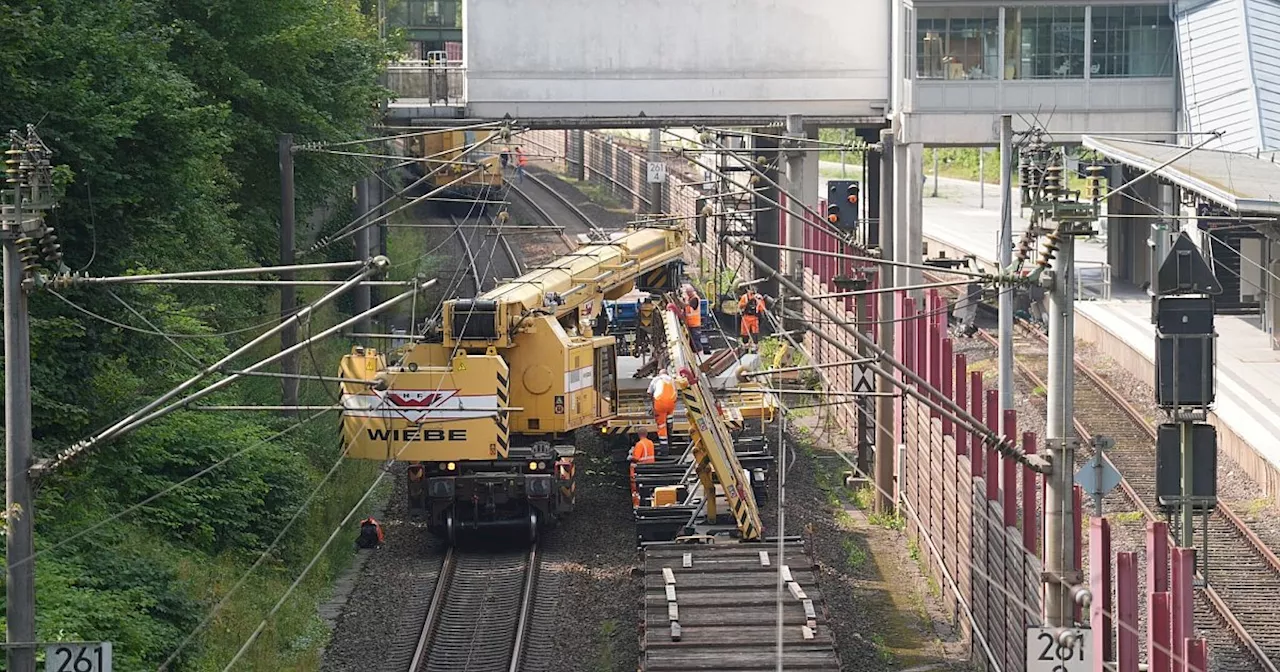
[
  {"x": 370, "y": 534},
  {"x": 641, "y": 453},
  {"x": 751, "y": 307},
  {"x": 663, "y": 390},
  {"x": 521, "y": 162},
  {"x": 693, "y": 320}
]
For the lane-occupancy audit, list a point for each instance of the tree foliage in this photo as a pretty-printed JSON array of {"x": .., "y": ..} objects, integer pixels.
[{"x": 164, "y": 116}]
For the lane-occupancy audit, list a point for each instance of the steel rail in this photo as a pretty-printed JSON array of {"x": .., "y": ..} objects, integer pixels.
[
  {"x": 517, "y": 268},
  {"x": 526, "y": 609},
  {"x": 546, "y": 217},
  {"x": 471, "y": 257},
  {"x": 586, "y": 219},
  {"x": 433, "y": 612}
]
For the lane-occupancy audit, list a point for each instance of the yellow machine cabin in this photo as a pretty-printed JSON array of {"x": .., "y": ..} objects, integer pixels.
[
  {"x": 450, "y": 150},
  {"x": 484, "y": 414}
]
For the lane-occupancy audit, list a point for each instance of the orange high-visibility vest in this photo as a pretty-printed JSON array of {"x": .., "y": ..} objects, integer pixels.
[
  {"x": 693, "y": 316},
  {"x": 644, "y": 451}
]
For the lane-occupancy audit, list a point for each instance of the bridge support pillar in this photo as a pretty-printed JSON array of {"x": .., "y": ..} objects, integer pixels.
[
  {"x": 577, "y": 163},
  {"x": 768, "y": 227},
  {"x": 909, "y": 213}
]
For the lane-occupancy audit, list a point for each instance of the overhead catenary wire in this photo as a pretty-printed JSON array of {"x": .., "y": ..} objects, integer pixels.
[
  {"x": 981, "y": 574},
  {"x": 947, "y": 408},
  {"x": 362, "y": 221},
  {"x": 80, "y": 447},
  {"x": 401, "y": 136}
]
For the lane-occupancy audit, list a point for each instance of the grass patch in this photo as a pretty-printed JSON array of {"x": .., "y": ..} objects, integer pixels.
[
  {"x": 889, "y": 521},
  {"x": 864, "y": 498},
  {"x": 1039, "y": 391},
  {"x": 855, "y": 554},
  {"x": 608, "y": 628},
  {"x": 883, "y": 653},
  {"x": 599, "y": 195},
  {"x": 1127, "y": 517},
  {"x": 1256, "y": 506}
]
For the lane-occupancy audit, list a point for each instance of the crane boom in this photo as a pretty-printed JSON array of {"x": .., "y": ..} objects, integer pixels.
[
  {"x": 608, "y": 268},
  {"x": 713, "y": 449}
]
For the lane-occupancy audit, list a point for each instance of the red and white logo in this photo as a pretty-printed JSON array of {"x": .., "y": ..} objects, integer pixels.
[{"x": 414, "y": 405}]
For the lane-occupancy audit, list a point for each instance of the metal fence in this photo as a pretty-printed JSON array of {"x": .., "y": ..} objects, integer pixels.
[
  {"x": 433, "y": 83},
  {"x": 1093, "y": 281}
]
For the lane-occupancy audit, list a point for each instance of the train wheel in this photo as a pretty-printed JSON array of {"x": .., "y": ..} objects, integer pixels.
[
  {"x": 533, "y": 526},
  {"x": 450, "y": 529}
]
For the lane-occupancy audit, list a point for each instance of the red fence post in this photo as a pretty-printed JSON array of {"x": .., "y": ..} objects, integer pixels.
[
  {"x": 908, "y": 322},
  {"x": 921, "y": 327},
  {"x": 1157, "y": 557},
  {"x": 975, "y": 399},
  {"x": 1077, "y": 508},
  {"x": 1009, "y": 471},
  {"x": 1182, "y": 602},
  {"x": 1100, "y": 586},
  {"x": 1196, "y": 653},
  {"x": 1127, "y": 612},
  {"x": 1030, "y": 519},
  {"x": 991, "y": 469},
  {"x": 947, "y": 377},
  {"x": 938, "y": 334},
  {"x": 1158, "y": 648},
  {"x": 962, "y": 400}
]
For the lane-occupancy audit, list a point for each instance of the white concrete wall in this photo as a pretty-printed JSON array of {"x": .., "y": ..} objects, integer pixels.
[
  {"x": 968, "y": 112},
  {"x": 676, "y": 58}
]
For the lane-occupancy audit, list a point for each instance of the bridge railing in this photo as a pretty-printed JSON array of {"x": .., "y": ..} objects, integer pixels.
[{"x": 432, "y": 83}]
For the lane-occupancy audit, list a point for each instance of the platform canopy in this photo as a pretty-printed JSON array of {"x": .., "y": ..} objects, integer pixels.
[{"x": 1247, "y": 184}]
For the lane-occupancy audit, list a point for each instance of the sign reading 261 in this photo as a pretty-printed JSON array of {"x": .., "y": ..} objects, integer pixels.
[
  {"x": 1044, "y": 654},
  {"x": 80, "y": 657}
]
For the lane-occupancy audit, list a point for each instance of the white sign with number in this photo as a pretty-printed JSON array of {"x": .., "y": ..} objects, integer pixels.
[
  {"x": 657, "y": 172},
  {"x": 80, "y": 657},
  {"x": 1044, "y": 654}
]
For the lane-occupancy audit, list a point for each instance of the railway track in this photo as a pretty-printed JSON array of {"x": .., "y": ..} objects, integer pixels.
[
  {"x": 479, "y": 613},
  {"x": 468, "y": 254},
  {"x": 556, "y": 210},
  {"x": 473, "y": 258},
  {"x": 1243, "y": 573}
]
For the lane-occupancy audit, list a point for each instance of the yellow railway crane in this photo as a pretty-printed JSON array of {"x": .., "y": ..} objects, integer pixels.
[
  {"x": 484, "y": 417},
  {"x": 714, "y": 454}
]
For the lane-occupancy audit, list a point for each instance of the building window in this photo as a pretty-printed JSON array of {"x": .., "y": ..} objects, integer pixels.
[
  {"x": 1132, "y": 42},
  {"x": 1044, "y": 42},
  {"x": 958, "y": 43}
]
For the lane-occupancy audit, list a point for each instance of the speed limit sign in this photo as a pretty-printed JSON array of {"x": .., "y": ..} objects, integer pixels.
[
  {"x": 1044, "y": 654},
  {"x": 78, "y": 657}
]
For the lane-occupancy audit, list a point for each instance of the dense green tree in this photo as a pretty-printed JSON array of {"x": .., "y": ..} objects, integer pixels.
[{"x": 165, "y": 115}]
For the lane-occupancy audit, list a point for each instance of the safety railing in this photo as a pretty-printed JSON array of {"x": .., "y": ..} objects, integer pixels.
[
  {"x": 1093, "y": 281},
  {"x": 431, "y": 83}
]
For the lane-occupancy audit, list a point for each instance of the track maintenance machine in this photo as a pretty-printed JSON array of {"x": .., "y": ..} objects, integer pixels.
[
  {"x": 484, "y": 416},
  {"x": 679, "y": 495}
]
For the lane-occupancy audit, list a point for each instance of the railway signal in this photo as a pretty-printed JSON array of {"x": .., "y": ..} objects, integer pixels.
[{"x": 843, "y": 197}]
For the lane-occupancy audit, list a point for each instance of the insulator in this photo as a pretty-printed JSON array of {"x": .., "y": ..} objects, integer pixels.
[
  {"x": 1025, "y": 245},
  {"x": 1049, "y": 250},
  {"x": 1053, "y": 182},
  {"x": 1094, "y": 180}
]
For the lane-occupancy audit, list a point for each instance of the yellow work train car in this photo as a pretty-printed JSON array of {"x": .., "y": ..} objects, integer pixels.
[{"x": 459, "y": 164}]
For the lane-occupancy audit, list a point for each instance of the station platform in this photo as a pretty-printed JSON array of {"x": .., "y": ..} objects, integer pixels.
[{"x": 1247, "y": 410}]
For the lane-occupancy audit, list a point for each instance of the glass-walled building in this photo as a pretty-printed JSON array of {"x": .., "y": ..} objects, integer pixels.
[
  {"x": 1108, "y": 66},
  {"x": 432, "y": 27},
  {"x": 1044, "y": 42}
]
